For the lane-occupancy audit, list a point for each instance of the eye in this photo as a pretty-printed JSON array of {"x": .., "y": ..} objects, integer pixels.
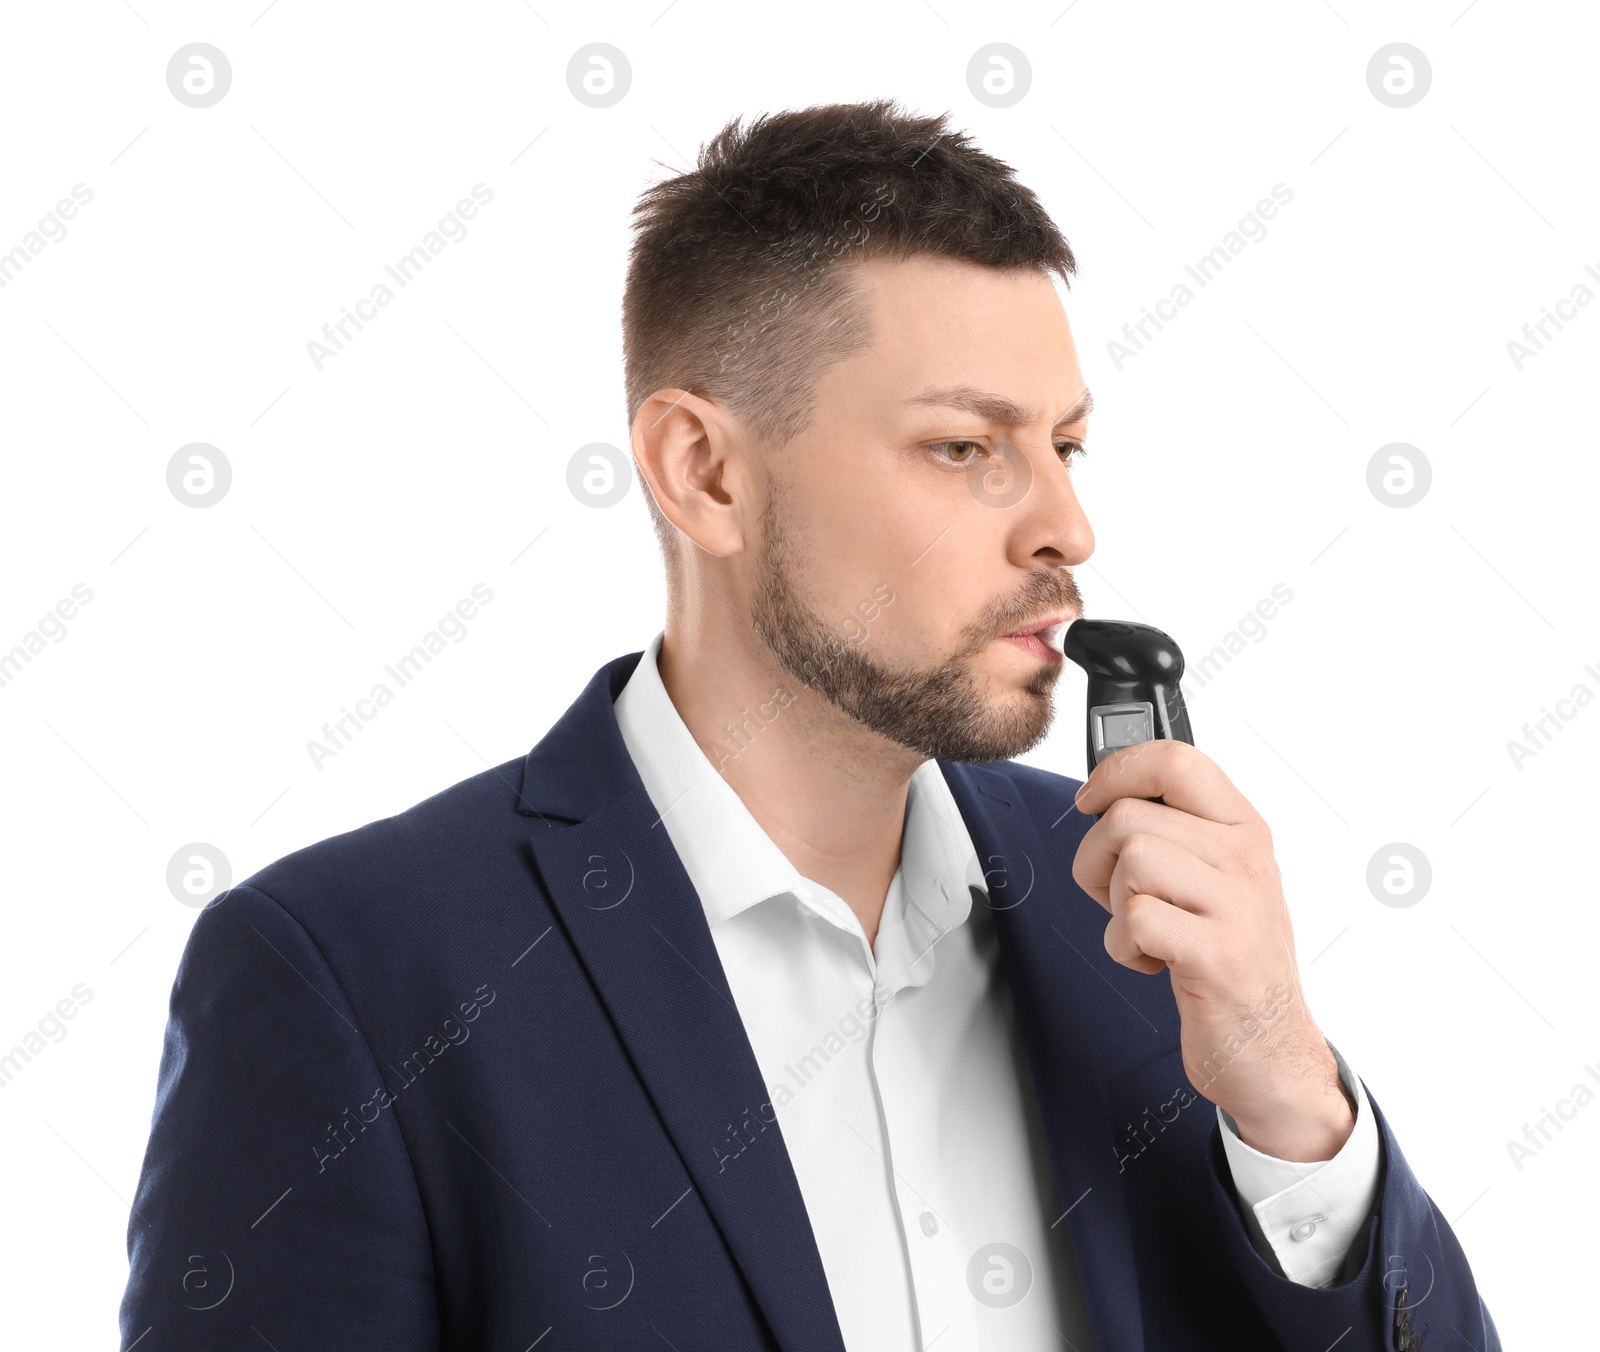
[
  {"x": 1069, "y": 448},
  {"x": 963, "y": 452},
  {"x": 972, "y": 447}
]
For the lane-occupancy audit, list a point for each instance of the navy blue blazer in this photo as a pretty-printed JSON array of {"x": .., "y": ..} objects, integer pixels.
[{"x": 466, "y": 1078}]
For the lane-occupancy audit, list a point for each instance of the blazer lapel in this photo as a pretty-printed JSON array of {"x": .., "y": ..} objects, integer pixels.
[
  {"x": 640, "y": 930},
  {"x": 1061, "y": 1012}
]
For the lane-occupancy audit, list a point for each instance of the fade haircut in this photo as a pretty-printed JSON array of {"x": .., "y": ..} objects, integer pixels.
[{"x": 739, "y": 287}]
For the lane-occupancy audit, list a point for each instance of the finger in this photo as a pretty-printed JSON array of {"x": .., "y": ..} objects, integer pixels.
[
  {"x": 1183, "y": 776},
  {"x": 1103, "y": 842},
  {"x": 1146, "y": 934},
  {"x": 1151, "y": 866}
]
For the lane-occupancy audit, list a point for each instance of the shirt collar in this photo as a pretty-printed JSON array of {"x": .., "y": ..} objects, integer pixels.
[{"x": 733, "y": 863}]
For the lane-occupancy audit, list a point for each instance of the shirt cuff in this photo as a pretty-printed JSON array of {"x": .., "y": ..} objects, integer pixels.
[{"x": 1307, "y": 1215}]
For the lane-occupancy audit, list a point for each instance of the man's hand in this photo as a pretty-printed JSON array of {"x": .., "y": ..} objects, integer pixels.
[{"x": 1192, "y": 886}]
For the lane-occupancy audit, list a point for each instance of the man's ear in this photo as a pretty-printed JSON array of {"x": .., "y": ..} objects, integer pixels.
[{"x": 684, "y": 447}]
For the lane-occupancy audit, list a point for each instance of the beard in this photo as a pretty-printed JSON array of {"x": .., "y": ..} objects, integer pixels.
[{"x": 939, "y": 711}]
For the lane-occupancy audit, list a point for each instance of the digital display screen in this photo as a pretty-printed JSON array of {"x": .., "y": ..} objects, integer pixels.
[{"x": 1124, "y": 729}]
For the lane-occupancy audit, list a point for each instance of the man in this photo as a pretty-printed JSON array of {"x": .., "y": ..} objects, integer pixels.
[{"x": 767, "y": 1002}]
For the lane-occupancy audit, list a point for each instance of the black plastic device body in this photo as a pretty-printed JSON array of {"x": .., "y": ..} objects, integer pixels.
[{"x": 1134, "y": 693}]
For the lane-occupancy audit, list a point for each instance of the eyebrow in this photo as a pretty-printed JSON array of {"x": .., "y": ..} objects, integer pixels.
[{"x": 996, "y": 407}]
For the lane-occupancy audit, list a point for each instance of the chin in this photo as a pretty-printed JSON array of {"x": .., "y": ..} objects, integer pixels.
[{"x": 1019, "y": 725}]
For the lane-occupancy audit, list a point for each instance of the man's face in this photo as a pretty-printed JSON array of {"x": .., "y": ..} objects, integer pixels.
[{"x": 935, "y": 472}]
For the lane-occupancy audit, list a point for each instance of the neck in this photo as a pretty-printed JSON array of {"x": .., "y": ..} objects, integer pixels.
[{"x": 830, "y": 793}]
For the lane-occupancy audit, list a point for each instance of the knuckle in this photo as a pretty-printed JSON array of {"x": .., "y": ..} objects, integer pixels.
[
  {"x": 1110, "y": 940},
  {"x": 1127, "y": 926},
  {"x": 1183, "y": 755},
  {"x": 1255, "y": 864},
  {"x": 1146, "y": 924},
  {"x": 1120, "y": 815},
  {"x": 1139, "y": 849}
]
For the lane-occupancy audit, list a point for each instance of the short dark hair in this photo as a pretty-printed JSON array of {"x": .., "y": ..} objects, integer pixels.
[{"x": 735, "y": 289}]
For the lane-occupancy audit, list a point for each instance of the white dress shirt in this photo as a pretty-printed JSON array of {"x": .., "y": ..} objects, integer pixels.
[{"x": 899, "y": 1081}]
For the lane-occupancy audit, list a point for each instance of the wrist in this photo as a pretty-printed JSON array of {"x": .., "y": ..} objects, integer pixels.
[{"x": 1310, "y": 1128}]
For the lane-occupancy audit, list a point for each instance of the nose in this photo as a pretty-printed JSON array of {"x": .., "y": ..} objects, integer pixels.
[{"x": 1049, "y": 524}]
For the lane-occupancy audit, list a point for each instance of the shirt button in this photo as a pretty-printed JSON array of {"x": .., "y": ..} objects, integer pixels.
[
  {"x": 1304, "y": 1230},
  {"x": 930, "y": 1223}
]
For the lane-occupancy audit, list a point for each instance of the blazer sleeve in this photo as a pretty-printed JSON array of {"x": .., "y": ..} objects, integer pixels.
[
  {"x": 277, "y": 1203},
  {"x": 1404, "y": 1285}
]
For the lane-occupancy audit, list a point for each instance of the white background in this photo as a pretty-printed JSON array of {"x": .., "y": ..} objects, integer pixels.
[{"x": 368, "y": 497}]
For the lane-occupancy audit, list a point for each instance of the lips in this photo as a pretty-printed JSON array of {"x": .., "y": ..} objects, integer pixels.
[{"x": 1047, "y": 631}]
